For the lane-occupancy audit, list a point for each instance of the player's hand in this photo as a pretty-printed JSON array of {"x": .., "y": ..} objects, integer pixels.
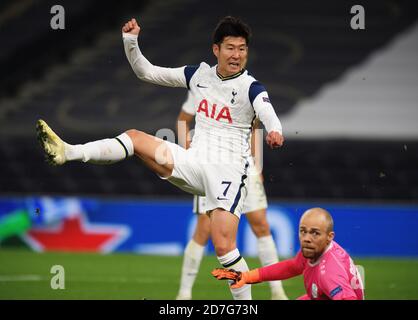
[
  {"x": 230, "y": 274},
  {"x": 274, "y": 139},
  {"x": 131, "y": 27}
]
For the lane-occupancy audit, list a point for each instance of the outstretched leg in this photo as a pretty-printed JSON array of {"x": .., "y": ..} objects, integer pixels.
[
  {"x": 224, "y": 227},
  {"x": 153, "y": 151},
  {"x": 193, "y": 256}
]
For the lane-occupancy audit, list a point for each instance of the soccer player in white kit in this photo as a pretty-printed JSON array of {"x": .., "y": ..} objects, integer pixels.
[
  {"x": 254, "y": 207},
  {"x": 216, "y": 164}
]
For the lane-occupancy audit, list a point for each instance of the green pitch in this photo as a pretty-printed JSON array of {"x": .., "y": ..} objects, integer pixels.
[{"x": 26, "y": 275}]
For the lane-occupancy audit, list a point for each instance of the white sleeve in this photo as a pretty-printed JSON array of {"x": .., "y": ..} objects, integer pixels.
[
  {"x": 265, "y": 111},
  {"x": 189, "y": 106},
  {"x": 145, "y": 70}
]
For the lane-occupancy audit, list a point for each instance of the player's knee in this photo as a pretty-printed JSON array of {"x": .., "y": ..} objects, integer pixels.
[
  {"x": 201, "y": 236},
  {"x": 206, "y": 230},
  {"x": 202, "y": 231},
  {"x": 134, "y": 134},
  {"x": 261, "y": 229},
  {"x": 137, "y": 138}
]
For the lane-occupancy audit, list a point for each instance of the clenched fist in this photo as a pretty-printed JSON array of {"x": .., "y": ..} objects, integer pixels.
[
  {"x": 274, "y": 139},
  {"x": 131, "y": 27}
]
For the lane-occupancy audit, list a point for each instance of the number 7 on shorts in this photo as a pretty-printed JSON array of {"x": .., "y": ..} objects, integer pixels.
[{"x": 228, "y": 184}]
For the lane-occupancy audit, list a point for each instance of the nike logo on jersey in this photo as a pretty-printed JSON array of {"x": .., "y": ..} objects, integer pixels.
[
  {"x": 200, "y": 86},
  {"x": 216, "y": 114},
  {"x": 222, "y": 198}
]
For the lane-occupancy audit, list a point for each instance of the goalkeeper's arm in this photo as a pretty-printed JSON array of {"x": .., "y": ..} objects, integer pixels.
[{"x": 278, "y": 271}]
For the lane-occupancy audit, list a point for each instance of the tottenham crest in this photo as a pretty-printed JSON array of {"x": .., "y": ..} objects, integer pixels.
[{"x": 234, "y": 93}]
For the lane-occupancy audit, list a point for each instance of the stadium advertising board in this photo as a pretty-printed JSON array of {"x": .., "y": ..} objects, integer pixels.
[{"x": 164, "y": 227}]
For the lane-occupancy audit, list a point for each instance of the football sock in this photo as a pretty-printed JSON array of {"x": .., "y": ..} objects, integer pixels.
[
  {"x": 104, "y": 151},
  {"x": 233, "y": 260},
  {"x": 191, "y": 262}
]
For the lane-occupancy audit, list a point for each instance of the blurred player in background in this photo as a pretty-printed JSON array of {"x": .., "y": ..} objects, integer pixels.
[
  {"x": 216, "y": 164},
  {"x": 328, "y": 271},
  {"x": 255, "y": 205}
]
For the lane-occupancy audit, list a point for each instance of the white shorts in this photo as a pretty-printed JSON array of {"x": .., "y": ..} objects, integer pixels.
[
  {"x": 256, "y": 195},
  {"x": 224, "y": 185}
]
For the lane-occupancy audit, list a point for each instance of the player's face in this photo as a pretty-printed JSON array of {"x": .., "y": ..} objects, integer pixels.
[
  {"x": 314, "y": 236},
  {"x": 232, "y": 55}
]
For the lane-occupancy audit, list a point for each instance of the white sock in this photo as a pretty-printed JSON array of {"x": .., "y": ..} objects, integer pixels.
[
  {"x": 192, "y": 257},
  {"x": 104, "y": 151},
  {"x": 267, "y": 253},
  {"x": 233, "y": 260}
]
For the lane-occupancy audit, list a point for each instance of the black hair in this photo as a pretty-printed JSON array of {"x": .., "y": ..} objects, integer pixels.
[{"x": 231, "y": 26}]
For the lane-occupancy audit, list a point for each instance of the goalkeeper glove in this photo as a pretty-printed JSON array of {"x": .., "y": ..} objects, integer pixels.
[{"x": 239, "y": 278}]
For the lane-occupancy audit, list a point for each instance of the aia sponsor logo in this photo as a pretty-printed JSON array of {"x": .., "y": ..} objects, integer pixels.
[{"x": 214, "y": 112}]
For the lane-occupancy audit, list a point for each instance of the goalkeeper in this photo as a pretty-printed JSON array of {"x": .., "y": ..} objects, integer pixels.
[{"x": 329, "y": 272}]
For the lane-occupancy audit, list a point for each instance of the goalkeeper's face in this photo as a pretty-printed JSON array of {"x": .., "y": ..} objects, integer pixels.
[
  {"x": 232, "y": 54},
  {"x": 314, "y": 236}
]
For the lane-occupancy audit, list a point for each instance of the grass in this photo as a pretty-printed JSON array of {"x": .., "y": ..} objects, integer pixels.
[{"x": 26, "y": 275}]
